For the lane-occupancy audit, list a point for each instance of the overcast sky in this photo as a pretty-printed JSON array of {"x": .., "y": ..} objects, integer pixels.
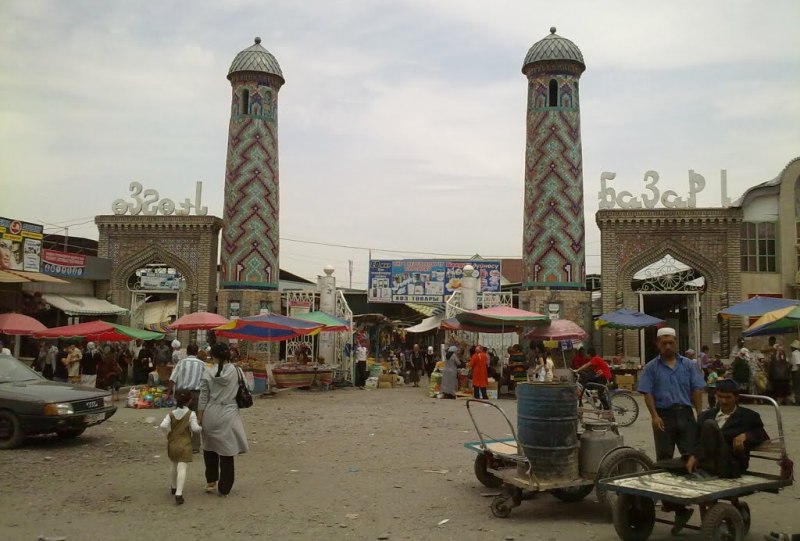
[{"x": 402, "y": 123}]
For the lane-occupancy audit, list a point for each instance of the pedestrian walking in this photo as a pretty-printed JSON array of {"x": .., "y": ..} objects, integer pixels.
[
  {"x": 74, "y": 357},
  {"x": 779, "y": 375},
  {"x": 361, "y": 365},
  {"x": 740, "y": 369},
  {"x": 415, "y": 362},
  {"x": 452, "y": 361},
  {"x": 89, "y": 363},
  {"x": 180, "y": 425},
  {"x": 479, "y": 365},
  {"x": 795, "y": 346},
  {"x": 430, "y": 361},
  {"x": 672, "y": 385},
  {"x": 186, "y": 376},
  {"x": 223, "y": 433}
]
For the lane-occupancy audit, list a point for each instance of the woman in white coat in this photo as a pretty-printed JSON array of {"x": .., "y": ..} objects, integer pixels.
[{"x": 223, "y": 433}]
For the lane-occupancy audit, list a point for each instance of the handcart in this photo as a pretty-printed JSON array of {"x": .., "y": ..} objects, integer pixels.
[
  {"x": 723, "y": 514},
  {"x": 501, "y": 463}
]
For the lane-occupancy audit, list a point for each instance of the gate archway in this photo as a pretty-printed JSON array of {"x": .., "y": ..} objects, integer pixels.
[{"x": 706, "y": 241}]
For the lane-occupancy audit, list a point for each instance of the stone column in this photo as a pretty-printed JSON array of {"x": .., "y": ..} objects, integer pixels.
[{"x": 326, "y": 286}]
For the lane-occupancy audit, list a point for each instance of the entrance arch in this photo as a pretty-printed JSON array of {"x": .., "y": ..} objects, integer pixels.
[
  {"x": 189, "y": 244},
  {"x": 704, "y": 240}
]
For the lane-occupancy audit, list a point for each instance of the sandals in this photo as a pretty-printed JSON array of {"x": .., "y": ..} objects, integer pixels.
[{"x": 211, "y": 487}]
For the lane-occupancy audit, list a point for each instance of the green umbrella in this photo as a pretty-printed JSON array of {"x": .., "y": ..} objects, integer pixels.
[
  {"x": 99, "y": 331},
  {"x": 331, "y": 324}
]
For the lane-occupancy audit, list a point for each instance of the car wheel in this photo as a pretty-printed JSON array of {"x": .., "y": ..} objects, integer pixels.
[
  {"x": 68, "y": 433},
  {"x": 10, "y": 430}
]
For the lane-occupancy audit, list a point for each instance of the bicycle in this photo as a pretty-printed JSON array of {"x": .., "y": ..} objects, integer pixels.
[{"x": 624, "y": 408}]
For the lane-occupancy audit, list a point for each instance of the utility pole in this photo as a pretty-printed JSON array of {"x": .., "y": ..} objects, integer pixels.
[{"x": 350, "y": 265}]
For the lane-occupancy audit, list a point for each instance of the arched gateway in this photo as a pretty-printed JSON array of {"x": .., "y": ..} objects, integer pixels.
[
  {"x": 681, "y": 265},
  {"x": 167, "y": 259}
]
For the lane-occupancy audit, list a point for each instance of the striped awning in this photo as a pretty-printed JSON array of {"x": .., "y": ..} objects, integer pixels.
[{"x": 427, "y": 310}]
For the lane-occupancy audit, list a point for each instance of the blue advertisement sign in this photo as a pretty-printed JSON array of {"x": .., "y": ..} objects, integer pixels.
[{"x": 425, "y": 280}]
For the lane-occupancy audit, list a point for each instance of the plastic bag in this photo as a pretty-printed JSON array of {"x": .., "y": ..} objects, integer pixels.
[{"x": 761, "y": 382}]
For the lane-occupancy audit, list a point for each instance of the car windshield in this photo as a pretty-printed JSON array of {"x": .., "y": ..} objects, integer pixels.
[{"x": 14, "y": 371}]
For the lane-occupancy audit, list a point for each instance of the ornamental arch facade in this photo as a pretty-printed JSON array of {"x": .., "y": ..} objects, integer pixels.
[
  {"x": 682, "y": 265},
  {"x": 188, "y": 244}
]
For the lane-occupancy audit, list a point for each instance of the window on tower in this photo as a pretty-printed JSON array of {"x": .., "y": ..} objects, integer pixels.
[
  {"x": 245, "y": 105},
  {"x": 553, "y": 100}
]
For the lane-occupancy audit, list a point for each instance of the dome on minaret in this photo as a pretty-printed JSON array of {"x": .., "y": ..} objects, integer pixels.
[
  {"x": 553, "y": 48},
  {"x": 255, "y": 59}
]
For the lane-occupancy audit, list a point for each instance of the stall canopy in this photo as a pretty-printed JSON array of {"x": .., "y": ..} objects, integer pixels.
[
  {"x": 82, "y": 305},
  {"x": 99, "y": 331},
  {"x": 267, "y": 328},
  {"x": 625, "y": 318},
  {"x": 329, "y": 323},
  {"x": 453, "y": 324},
  {"x": 780, "y": 321},
  {"x": 18, "y": 276},
  {"x": 427, "y": 324},
  {"x": 198, "y": 321},
  {"x": 757, "y": 306}
]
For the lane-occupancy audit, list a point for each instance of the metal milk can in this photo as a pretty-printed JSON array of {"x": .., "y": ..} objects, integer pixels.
[{"x": 598, "y": 438}]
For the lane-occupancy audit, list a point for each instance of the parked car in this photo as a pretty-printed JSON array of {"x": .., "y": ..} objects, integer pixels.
[{"x": 31, "y": 404}]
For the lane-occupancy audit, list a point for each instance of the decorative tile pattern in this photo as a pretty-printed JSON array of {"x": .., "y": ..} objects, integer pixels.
[
  {"x": 250, "y": 242},
  {"x": 553, "y": 239}
]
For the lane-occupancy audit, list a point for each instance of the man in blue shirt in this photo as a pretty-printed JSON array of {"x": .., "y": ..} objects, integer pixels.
[{"x": 671, "y": 385}]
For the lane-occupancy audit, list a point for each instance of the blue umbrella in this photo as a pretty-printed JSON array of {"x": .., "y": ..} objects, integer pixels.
[
  {"x": 625, "y": 318},
  {"x": 756, "y": 306}
]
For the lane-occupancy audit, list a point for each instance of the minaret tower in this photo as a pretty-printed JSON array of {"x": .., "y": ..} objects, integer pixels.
[
  {"x": 250, "y": 240},
  {"x": 553, "y": 251}
]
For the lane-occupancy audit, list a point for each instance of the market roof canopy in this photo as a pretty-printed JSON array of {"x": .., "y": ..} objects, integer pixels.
[
  {"x": 99, "y": 331},
  {"x": 625, "y": 318},
  {"x": 776, "y": 322},
  {"x": 36, "y": 276},
  {"x": 453, "y": 324},
  {"x": 427, "y": 324},
  {"x": 19, "y": 324},
  {"x": 558, "y": 329},
  {"x": 502, "y": 317},
  {"x": 329, "y": 322},
  {"x": 757, "y": 306},
  {"x": 82, "y": 305}
]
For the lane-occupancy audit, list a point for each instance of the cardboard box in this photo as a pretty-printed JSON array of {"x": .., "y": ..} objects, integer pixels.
[
  {"x": 624, "y": 379},
  {"x": 626, "y": 386},
  {"x": 385, "y": 385},
  {"x": 491, "y": 393},
  {"x": 387, "y": 379},
  {"x": 492, "y": 385}
]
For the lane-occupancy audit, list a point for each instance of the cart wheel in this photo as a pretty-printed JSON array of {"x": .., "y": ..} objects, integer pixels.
[
  {"x": 625, "y": 408},
  {"x": 634, "y": 517},
  {"x": 619, "y": 462},
  {"x": 744, "y": 510},
  {"x": 487, "y": 479},
  {"x": 572, "y": 494},
  {"x": 501, "y": 507},
  {"x": 723, "y": 523}
]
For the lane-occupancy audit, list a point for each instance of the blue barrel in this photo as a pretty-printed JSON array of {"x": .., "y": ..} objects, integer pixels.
[{"x": 547, "y": 426}]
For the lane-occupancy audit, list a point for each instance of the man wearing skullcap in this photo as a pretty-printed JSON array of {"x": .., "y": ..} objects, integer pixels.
[
  {"x": 726, "y": 434},
  {"x": 671, "y": 385}
]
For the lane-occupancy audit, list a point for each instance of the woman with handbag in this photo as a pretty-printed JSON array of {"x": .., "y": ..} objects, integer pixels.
[{"x": 218, "y": 413}]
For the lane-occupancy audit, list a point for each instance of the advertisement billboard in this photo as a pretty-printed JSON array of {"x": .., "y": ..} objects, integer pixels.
[
  {"x": 59, "y": 263},
  {"x": 20, "y": 245},
  {"x": 426, "y": 280}
]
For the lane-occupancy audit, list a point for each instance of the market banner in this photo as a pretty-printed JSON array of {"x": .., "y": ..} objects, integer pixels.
[
  {"x": 20, "y": 245},
  {"x": 59, "y": 263},
  {"x": 426, "y": 280}
]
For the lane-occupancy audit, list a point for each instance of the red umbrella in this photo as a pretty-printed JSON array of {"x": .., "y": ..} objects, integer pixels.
[
  {"x": 99, "y": 331},
  {"x": 19, "y": 324},
  {"x": 198, "y": 321}
]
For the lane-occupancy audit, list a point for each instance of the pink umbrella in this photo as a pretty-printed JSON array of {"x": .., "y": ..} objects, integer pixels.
[
  {"x": 559, "y": 329},
  {"x": 19, "y": 324},
  {"x": 198, "y": 321}
]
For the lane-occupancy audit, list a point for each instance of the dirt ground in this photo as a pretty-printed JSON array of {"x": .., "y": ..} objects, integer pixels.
[{"x": 345, "y": 464}]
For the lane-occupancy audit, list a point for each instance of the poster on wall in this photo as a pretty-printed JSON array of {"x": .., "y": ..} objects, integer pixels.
[
  {"x": 20, "y": 245},
  {"x": 426, "y": 280},
  {"x": 63, "y": 264}
]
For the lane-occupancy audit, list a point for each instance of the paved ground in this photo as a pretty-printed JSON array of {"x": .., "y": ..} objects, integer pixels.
[{"x": 346, "y": 464}]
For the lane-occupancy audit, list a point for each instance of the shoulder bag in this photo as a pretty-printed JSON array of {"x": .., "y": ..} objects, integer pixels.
[{"x": 244, "y": 399}]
